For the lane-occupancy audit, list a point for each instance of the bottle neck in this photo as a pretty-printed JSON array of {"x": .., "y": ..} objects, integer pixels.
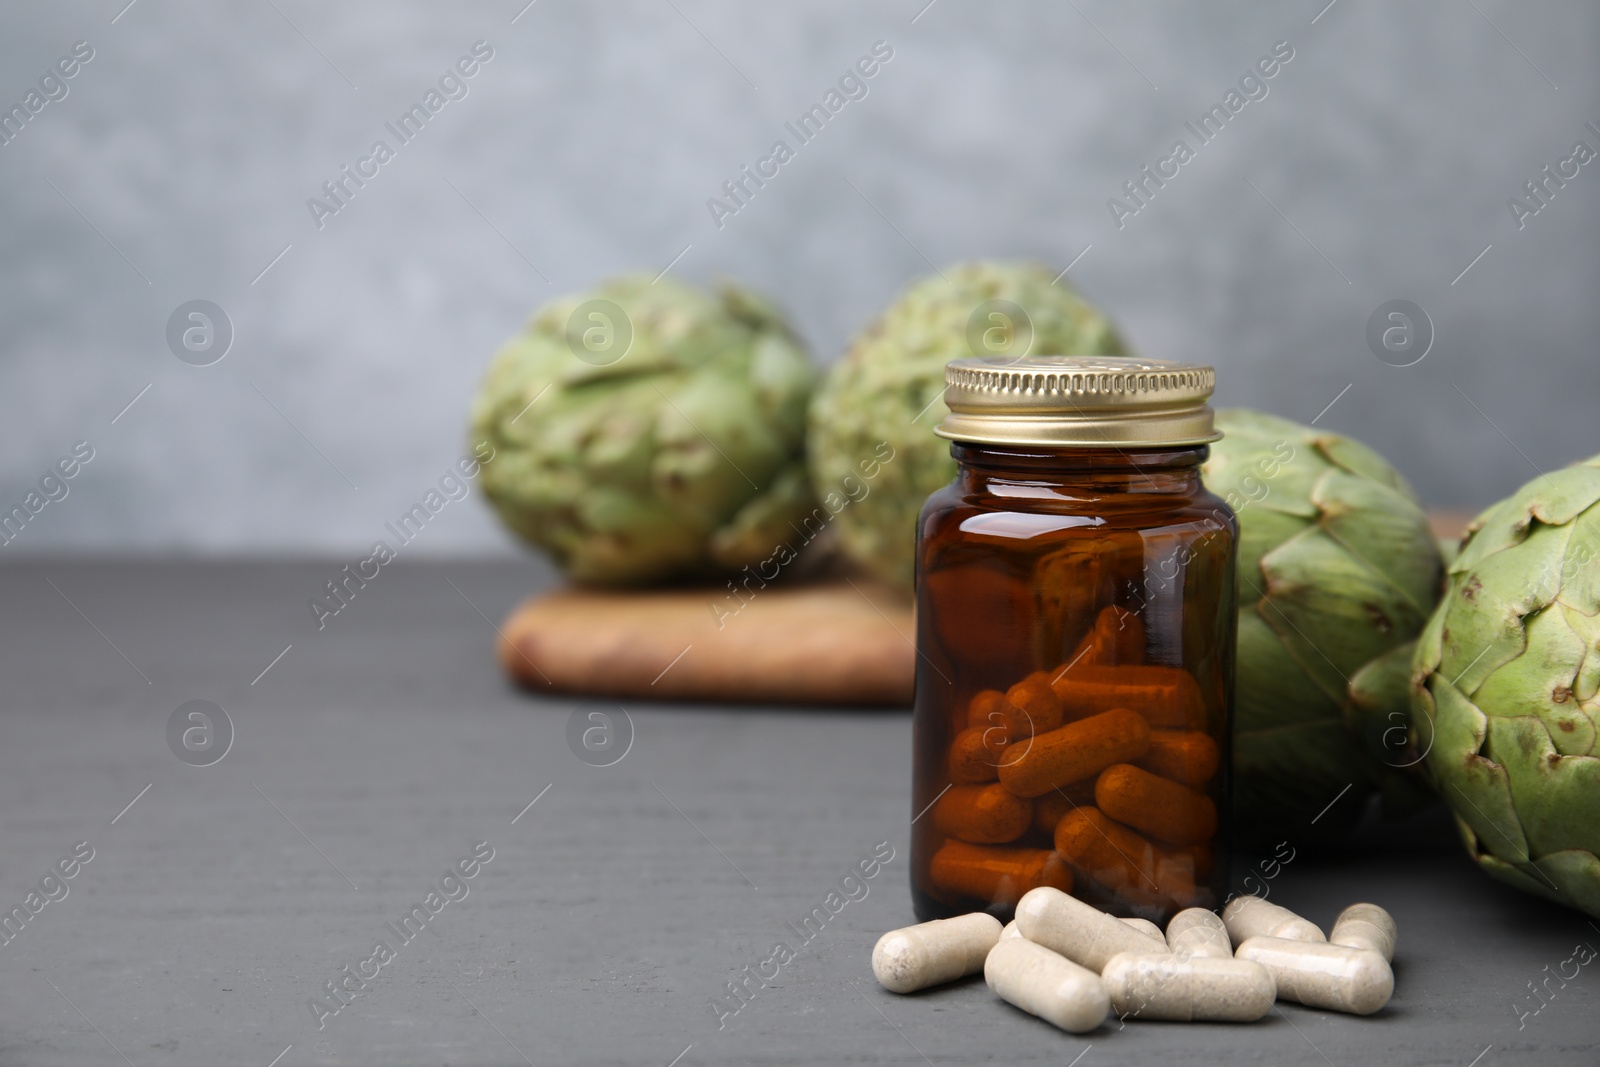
[{"x": 1078, "y": 473}]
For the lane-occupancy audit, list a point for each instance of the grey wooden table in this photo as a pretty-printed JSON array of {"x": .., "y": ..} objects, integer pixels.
[{"x": 616, "y": 909}]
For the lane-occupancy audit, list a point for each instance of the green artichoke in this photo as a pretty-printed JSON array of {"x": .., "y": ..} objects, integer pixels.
[
  {"x": 889, "y": 388},
  {"x": 648, "y": 431},
  {"x": 1338, "y": 571},
  {"x": 1507, "y": 695}
]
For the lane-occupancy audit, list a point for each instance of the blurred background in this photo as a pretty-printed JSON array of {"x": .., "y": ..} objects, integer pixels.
[{"x": 179, "y": 163}]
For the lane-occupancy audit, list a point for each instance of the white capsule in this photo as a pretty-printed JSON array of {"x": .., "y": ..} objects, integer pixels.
[
  {"x": 943, "y": 950},
  {"x": 1009, "y": 930},
  {"x": 1365, "y": 926},
  {"x": 1247, "y": 917},
  {"x": 1320, "y": 975},
  {"x": 1188, "y": 990},
  {"x": 1198, "y": 932},
  {"x": 1084, "y": 934},
  {"x": 1145, "y": 926},
  {"x": 1048, "y": 985}
]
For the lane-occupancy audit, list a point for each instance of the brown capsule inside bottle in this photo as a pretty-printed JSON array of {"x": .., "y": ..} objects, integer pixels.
[{"x": 1075, "y": 624}]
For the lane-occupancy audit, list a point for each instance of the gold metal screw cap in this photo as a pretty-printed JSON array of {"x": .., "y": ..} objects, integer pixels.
[{"x": 1078, "y": 402}]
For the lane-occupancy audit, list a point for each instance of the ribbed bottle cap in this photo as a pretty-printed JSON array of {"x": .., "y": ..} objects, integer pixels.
[{"x": 1078, "y": 402}]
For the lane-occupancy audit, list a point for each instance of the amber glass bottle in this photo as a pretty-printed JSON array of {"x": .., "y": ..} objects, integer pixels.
[{"x": 1075, "y": 638}]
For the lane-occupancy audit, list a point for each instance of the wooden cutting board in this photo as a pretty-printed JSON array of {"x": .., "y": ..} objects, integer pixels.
[
  {"x": 832, "y": 640},
  {"x": 840, "y": 640}
]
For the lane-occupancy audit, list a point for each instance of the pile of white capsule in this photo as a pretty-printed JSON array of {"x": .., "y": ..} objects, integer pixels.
[{"x": 1072, "y": 964}]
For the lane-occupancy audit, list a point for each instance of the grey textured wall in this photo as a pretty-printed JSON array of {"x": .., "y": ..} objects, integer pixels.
[{"x": 179, "y": 164}]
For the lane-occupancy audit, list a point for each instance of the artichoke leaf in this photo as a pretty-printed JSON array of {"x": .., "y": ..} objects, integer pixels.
[
  {"x": 1387, "y": 531},
  {"x": 1358, "y": 459},
  {"x": 696, "y": 440},
  {"x": 1339, "y": 609},
  {"x": 1579, "y": 576},
  {"x": 1264, "y": 528},
  {"x": 1268, "y": 461},
  {"x": 768, "y": 524},
  {"x": 1556, "y": 798},
  {"x": 617, "y": 449},
  {"x": 1553, "y": 499},
  {"x": 1470, "y": 651},
  {"x": 1539, "y": 882},
  {"x": 1540, "y": 682},
  {"x": 1379, "y": 708},
  {"x": 1430, "y": 649},
  {"x": 1274, "y": 690},
  {"x": 1494, "y": 598},
  {"x": 578, "y": 376},
  {"x": 1476, "y": 786},
  {"x": 1586, "y": 682},
  {"x": 1498, "y": 527},
  {"x": 1577, "y": 872},
  {"x": 781, "y": 378},
  {"x": 755, "y": 449}
]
